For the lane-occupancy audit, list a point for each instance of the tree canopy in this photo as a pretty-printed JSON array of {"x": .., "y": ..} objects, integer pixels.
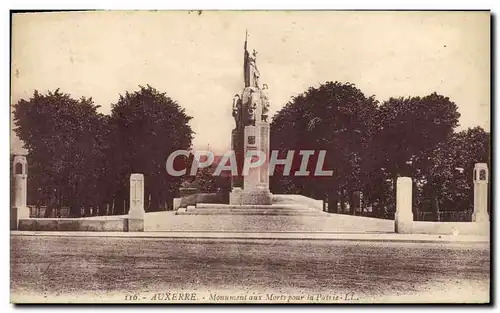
[
  {"x": 65, "y": 138},
  {"x": 370, "y": 144},
  {"x": 334, "y": 117},
  {"x": 146, "y": 126},
  {"x": 79, "y": 157}
]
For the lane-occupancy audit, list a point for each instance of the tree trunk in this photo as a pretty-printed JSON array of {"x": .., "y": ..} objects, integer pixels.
[
  {"x": 48, "y": 210},
  {"x": 333, "y": 201},
  {"x": 382, "y": 204},
  {"x": 86, "y": 210},
  {"x": 352, "y": 205},
  {"x": 74, "y": 207},
  {"x": 342, "y": 200},
  {"x": 436, "y": 203}
]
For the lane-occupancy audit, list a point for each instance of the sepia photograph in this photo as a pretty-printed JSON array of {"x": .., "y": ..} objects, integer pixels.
[{"x": 250, "y": 157}]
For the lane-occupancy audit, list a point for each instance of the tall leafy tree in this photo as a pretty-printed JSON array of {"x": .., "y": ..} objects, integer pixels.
[
  {"x": 146, "y": 127},
  {"x": 448, "y": 180},
  {"x": 65, "y": 139},
  {"x": 334, "y": 117},
  {"x": 409, "y": 131},
  {"x": 368, "y": 146},
  {"x": 410, "y": 128}
]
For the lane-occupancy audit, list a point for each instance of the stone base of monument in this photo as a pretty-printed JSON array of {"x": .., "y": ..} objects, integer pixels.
[
  {"x": 134, "y": 225},
  {"x": 248, "y": 209},
  {"x": 247, "y": 197}
]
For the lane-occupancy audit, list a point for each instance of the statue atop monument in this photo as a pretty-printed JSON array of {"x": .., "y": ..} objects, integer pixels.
[
  {"x": 254, "y": 101},
  {"x": 250, "y": 71}
]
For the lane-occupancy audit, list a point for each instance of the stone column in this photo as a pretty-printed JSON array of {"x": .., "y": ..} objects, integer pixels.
[
  {"x": 256, "y": 182},
  {"x": 177, "y": 203},
  {"x": 20, "y": 208},
  {"x": 237, "y": 140},
  {"x": 264, "y": 147},
  {"x": 404, "y": 216},
  {"x": 136, "y": 211},
  {"x": 252, "y": 140},
  {"x": 480, "y": 193}
]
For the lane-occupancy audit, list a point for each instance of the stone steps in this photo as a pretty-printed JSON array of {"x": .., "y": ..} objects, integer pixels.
[
  {"x": 293, "y": 207},
  {"x": 243, "y": 212},
  {"x": 259, "y": 223},
  {"x": 226, "y": 209}
]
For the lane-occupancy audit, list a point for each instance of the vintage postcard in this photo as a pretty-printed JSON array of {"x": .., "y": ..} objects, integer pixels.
[{"x": 250, "y": 157}]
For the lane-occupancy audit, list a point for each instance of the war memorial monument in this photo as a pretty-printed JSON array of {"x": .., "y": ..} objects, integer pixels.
[
  {"x": 250, "y": 112},
  {"x": 247, "y": 241}
]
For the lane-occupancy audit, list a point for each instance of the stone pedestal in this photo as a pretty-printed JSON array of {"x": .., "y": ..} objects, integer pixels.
[
  {"x": 264, "y": 147},
  {"x": 480, "y": 214},
  {"x": 251, "y": 179},
  {"x": 237, "y": 146},
  {"x": 176, "y": 203},
  {"x": 187, "y": 191},
  {"x": 19, "y": 208},
  {"x": 404, "y": 215},
  {"x": 235, "y": 196},
  {"x": 256, "y": 196},
  {"x": 256, "y": 182},
  {"x": 136, "y": 211}
]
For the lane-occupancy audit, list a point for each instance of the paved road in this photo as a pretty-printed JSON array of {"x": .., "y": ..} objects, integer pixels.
[{"x": 110, "y": 269}]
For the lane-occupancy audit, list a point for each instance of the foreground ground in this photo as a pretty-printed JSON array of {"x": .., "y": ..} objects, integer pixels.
[{"x": 100, "y": 269}]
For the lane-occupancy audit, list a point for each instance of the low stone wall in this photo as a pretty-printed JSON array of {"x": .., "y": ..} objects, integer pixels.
[
  {"x": 116, "y": 224},
  {"x": 449, "y": 228},
  {"x": 404, "y": 223},
  {"x": 192, "y": 200}
]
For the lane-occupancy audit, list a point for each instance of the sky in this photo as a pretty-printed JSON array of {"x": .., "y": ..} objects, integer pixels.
[{"x": 197, "y": 58}]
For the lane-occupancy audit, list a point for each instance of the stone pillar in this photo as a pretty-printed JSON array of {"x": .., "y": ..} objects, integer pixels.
[
  {"x": 256, "y": 182},
  {"x": 252, "y": 139},
  {"x": 20, "y": 208},
  {"x": 237, "y": 139},
  {"x": 136, "y": 211},
  {"x": 480, "y": 193},
  {"x": 177, "y": 203},
  {"x": 235, "y": 196},
  {"x": 264, "y": 147},
  {"x": 404, "y": 216}
]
